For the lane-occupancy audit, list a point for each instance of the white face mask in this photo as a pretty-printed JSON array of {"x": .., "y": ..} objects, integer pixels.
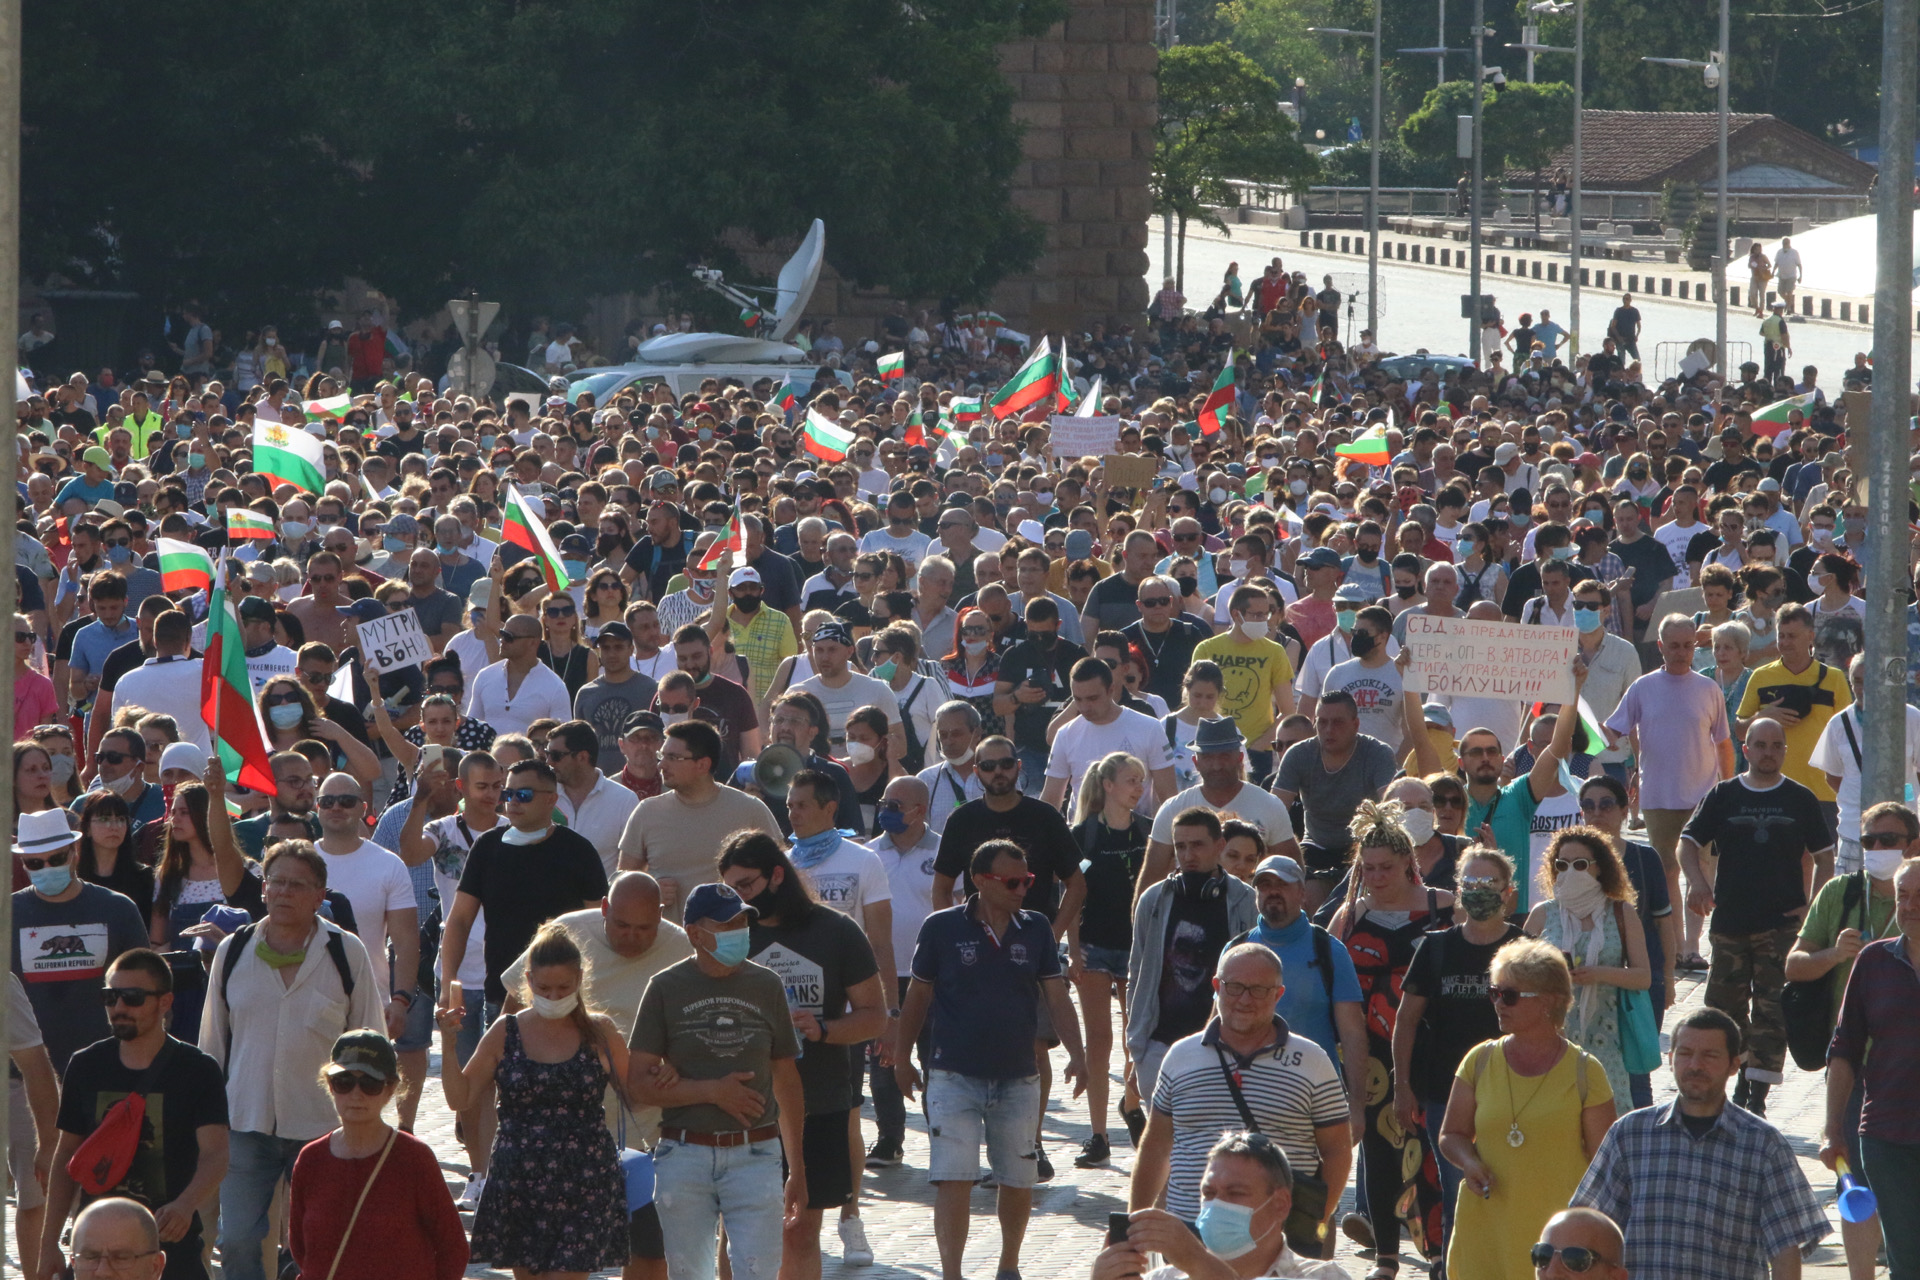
[
  {"x": 545, "y": 1008},
  {"x": 673, "y": 717},
  {"x": 1254, "y": 629},
  {"x": 1419, "y": 825},
  {"x": 858, "y": 752},
  {"x": 1578, "y": 892},
  {"x": 1238, "y": 568},
  {"x": 1882, "y": 863},
  {"x": 514, "y": 835},
  {"x": 960, "y": 759}
]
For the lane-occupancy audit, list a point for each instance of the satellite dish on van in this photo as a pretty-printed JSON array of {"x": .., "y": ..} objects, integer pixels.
[{"x": 797, "y": 281}]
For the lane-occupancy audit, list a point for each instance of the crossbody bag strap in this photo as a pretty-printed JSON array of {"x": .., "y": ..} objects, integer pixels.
[
  {"x": 392, "y": 1136},
  {"x": 1233, "y": 1086},
  {"x": 1852, "y": 741}
]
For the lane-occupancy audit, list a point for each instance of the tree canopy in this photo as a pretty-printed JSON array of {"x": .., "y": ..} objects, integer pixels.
[
  {"x": 1521, "y": 125},
  {"x": 1219, "y": 119}
]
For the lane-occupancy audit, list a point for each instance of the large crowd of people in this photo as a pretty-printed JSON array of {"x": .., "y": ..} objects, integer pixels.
[{"x": 754, "y": 769}]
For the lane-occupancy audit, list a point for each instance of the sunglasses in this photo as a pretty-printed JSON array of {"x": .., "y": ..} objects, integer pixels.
[
  {"x": 451, "y": 690},
  {"x": 336, "y": 802},
  {"x": 1509, "y": 997},
  {"x": 51, "y": 860},
  {"x": 1449, "y": 802},
  {"x": 1482, "y": 882},
  {"x": 115, "y": 757},
  {"x": 1155, "y": 602},
  {"x": 132, "y": 997},
  {"x": 1578, "y": 1260},
  {"x": 345, "y": 1082},
  {"x": 271, "y": 700},
  {"x": 1883, "y": 840},
  {"x": 1562, "y": 865},
  {"x": 996, "y": 766},
  {"x": 1017, "y": 884},
  {"x": 559, "y": 613},
  {"x": 522, "y": 795},
  {"x": 1599, "y": 804},
  {"x": 508, "y": 637},
  {"x": 23, "y": 637}
]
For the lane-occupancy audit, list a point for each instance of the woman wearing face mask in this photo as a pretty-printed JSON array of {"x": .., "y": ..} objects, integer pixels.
[
  {"x": 1587, "y": 914},
  {"x": 1525, "y": 1114},
  {"x": 63, "y": 774},
  {"x": 919, "y": 689},
  {"x": 107, "y": 855},
  {"x": 1832, "y": 579},
  {"x": 1732, "y": 548},
  {"x": 1638, "y": 482},
  {"x": 554, "y": 1203},
  {"x": 1444, "y": 1010},
  {"x": 290, "y": 717},
  {"x": 1731, "y": 670},
  {"x": 1481, "y": 578},
  {"x": 1185, "y": 574},
  {"x": 973, "y": 668},
  {"x": 1406, "y": 578},
  {"x": 1766, "y": 590},
  {"x": 866, "y": 762},
  {"x": 1202, "y": 685}
]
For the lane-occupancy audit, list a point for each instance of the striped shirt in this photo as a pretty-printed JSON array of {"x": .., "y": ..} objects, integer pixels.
[{"x": 1292, "y": 1089}]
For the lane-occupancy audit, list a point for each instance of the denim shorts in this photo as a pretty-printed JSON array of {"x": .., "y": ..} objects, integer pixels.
[
  {"x": 1108, "y": 960},
  {"x": 419, "y": 1030},
  {"x": 962, "y": 1111}
]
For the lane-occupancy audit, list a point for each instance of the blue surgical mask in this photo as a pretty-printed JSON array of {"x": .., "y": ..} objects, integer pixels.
[
  {"x": 885, "y": 670},
  {"x": 1563, "y": 553},
  {"x": 576, "y": 569},
  {"x": 195, "y": 461},
  {"x": 285, "y": 715},
  {"x": 1344, "y": 618},
  {"x": 1226, "y": 1229},
  {"x": 446, "y": 549},
  {"x": 486, "y": 442},
  {"x": 183, "y": 429},
  {"x": 730, "y": 947},
  {"x": 119, "y": 555},
  {"x": 891, "y": 821},
  {"x": 52, "y": 881},
  {"x": 1587, "y": 618}
]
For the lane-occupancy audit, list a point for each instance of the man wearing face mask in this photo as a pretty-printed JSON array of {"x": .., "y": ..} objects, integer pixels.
[
  {"x": 1247, "y": 561},
  {"x": 1364, "y": 568},
  {"x": 122, "y": 761},
  {"x": 951, "y": 780},
  {"x": 1259, "y": 678},
  {"x": 763, "y": 636},
  {"x": 1336, "y": 646},
  {"x": 1834, "y": 754}
]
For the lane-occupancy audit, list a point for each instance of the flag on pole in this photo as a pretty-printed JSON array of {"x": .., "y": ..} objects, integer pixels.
[
  {"x": 183, "y": 566},
  {"x": 1213, "y": 411},
  {"x": 332, "y": 407},
  {"x": 892, "y": 366},
  {"x": 1771, "y": 420},
  {"x": 1595, "y": 740},
  {"x": 226, "y": 695},
  {"x": 524, "y": 529},
  {"x": 1090, "y": 402},
  {"x": 243, "y": 524},
  {"x": 1370, "y": 448},
  {"x": 824, "y": 438},
  {"x": 1035, "y": 382},
  {"x": 798, "y": 384},
  {"x": 289, "y": 455},
  {"x": 964, "y": 413},
  {"x": 733, "y": 538}
]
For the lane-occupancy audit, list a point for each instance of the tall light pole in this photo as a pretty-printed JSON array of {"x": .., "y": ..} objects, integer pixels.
[
  {"x": 1886, "y": 667},
  {"x": 1373, "y": 169},
  {"x": 1579, "y": 52},
  {"x": 1716, "y": 73}
]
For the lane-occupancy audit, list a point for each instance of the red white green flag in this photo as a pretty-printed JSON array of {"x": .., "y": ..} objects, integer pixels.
[
  {"x": 734, "y": 539},
  {"x": 332, "y": 407},
  {"x": 184, "y": 566},
  {"x": 1370, "y": 448},
  {"x": 290, "y": 455},
  {"x": 226, "y": 696},
  {"x": 892, "y": 366},
  {"x": 242, "y": 523},
  {"x": 963, "y": 413},
  {"x": 1037, "y": 382},
  {"x": 1219, "y": 401},
  {"x": 1771, "y": 420},
  {"x": 824, "y": 438},
  {"x": 524, "y": 529}
]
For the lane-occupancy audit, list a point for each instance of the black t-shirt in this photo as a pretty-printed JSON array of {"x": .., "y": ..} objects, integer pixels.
[
  {"x": 1196, "y": 935},
  {"x": 1702, "y": 545},
  {"x": 732, "y": 711},
  {"x": 1719, "y": 476},
  {"x": 657, "y": 564},
  {"x": 1053, "y": 856},
  {"x": 1114, "y": 602},
  {"x": 188, "y": 1093},
  {"x": 1799, "y": 565},
  {"x": 28, "y": 594},
  {"x": 779, "y": 584},
  {"x": 1169, "y": 654},
  {"x": 63, "y": 647},
  {"x": 1112, "y": 861},
  {"x": 521, "y": 887},
  {"x": 1759, "y": 838},
  {"x": 817, "y": 960},
  {"x": 398, "y": 446},
  {"x": 1048, "y": 669},
  {"x": 120, "y": 661},
  {"x": 1651, "y": 563},
  {"x": 1626, "y": 323},
  {"x": 1452, "y": 973}
]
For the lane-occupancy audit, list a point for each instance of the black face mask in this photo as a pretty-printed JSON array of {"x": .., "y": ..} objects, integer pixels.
[
  {"x": 1188, "y": 586},
  {"x": 607, "y": 546},
  {"x": 1044, "y": 639},
  {"x": 747, "y": 604},
  {"x": 1366, "y": 555},
  {"x": 1407, "y": 592},
  {"x": 1362, "y": 643}
]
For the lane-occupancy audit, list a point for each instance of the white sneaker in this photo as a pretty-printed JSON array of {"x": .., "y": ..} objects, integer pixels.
[
  {"x": 470, "y": 1198},
  {"x": 854, "y": 1249}
]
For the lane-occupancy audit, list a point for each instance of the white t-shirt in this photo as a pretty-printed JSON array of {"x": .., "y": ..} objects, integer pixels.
[
  {"x": 1083, "y": 744},
  {"x": 1254, "y": 804},
  {"x": 1675, "y": 536},
  {"x": 910, "y": 880},
  {"x": 472, "y": 652},
  {"x": 1376, "y": 694},
  {"x": 374, "y": 881},
  {"x": 858, "y": 691},
  {"x": 1833, "y": 753},
  {"x": 849, "y": 880},
  {"x": 277, "y": 661},
  {"x": 453, "y": 838},
  {"x": 946, "y": 789},
  {"x": 911, "y": 546},
  {"x": 541, "y": 694}
]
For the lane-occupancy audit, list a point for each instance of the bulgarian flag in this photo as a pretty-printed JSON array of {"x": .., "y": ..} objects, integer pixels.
[
  {"x": 1213, "y": 412},
  {"x": 734, "y": 539},
  {"x": 242, "y": 523},
  {"x": 1596, "y": 738},
  {"x": 1771, "y": 420},
  {"x": 332, "y": 407},
  {"x": 523, "y": 529},
  {"x": 1090, "y": 403},
  {"x": 288, "y": 454},
  {"x": 824, "y": 438},
  {"x": 1035, "y": 382},
  {"x": 1370, "y": 448},
  {"x": 892, "y": 366},
  {"x": 226, "y": 696},
  {"x": 184, "y": 566},
  {"x": 916, "y": 432},
  {"x": 797, "y": 386},
  {"x": 964, "y": 413}
]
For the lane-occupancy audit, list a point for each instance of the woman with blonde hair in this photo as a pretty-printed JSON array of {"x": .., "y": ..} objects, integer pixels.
[
  {"x": 1586, "y": 910},
  {"x": 1112, "y": 836},
  {"x": 1386, "y": 910},
  {"x": 1526, "y": 1114}
]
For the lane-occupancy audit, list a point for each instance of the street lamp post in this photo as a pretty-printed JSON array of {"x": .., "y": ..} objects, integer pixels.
[
  {"x": 1373, "y": 169},
  {"x": 1578, "y": 50},
  {"x": 1715, "y": 71},
  {"x": 1473, "y": 209}
]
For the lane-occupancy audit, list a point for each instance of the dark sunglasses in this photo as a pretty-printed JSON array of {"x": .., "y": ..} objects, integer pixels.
[
  {"x": 115, "y": 757},
  {"x": 277, "y": 700},
  {"x": 1449, "y": 802},
  {"x": 315, "y": 678},
  {"x": 132, "y": 997},
  {"x": 1883, "y": 840},
  {"x": 564, "y": 612},
  {"x": 336, "y": 802},
  {"x": 23, "y": 637},
  {"x": 345, "y": 1082},
  {"x": 1155, "y": 602},
  {"x": 523, "y": 795},
  {"x": 1578, "y": 1260},
  {"x": 451, "y": 690},
  {"x": 1509, "y": 997},
  {"x": 996, "y": 766},
  {"x": 508, "y": 637},
  {"x": 1599, "y": 804},
  {"x": 51, "y": 860}
]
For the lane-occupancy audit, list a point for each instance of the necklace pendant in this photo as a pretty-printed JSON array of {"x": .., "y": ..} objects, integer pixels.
[{"x": 1515, "y": 1138}]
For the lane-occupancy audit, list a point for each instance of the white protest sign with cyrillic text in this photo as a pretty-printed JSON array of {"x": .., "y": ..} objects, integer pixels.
[
  {"x": 1474, "y": 659},
  {"x": 1077, "y": 438},
  {"x": 395, "y": 641}
]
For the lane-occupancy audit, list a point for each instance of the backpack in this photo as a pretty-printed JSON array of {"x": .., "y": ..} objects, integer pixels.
[
  {"x": 1807, "y": 1007},
  {"x": 104, "y": 1156},
  {"x": 914, "y": 758},
  {"x": 243, "y": 938}
]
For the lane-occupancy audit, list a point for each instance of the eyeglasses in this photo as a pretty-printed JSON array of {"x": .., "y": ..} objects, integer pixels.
[
  {"x": 315, "y": 678},
  {"x": 336, "y": 802},
  {"x": 674, "y": 757},
  {"x": 345, "y": 1082},
  {"x": 1578, "y": 1260},
  {"x": 1016, "y": 884},
  {"x": 1238, "y": 990},
  {"x": 523, "y": 795},
  {"x": 132, "y": 997},
  {"x": 51, "y": 860},
  {"x": 114, "y": 757},
  {"x": 1482, "y": 882},
  {"x": 1510, "y": 997},
  {"x": 451, "y": 690},
  {"x": 284, "y": 885},
  {"x": 978, "y": 633},
  {"x": 1598, "y": 804},
  {"x": 1883, "y": 840},
  {"x": 114, "y": 1258},
  {"x": 1562, "y": 865},
  {"x": 1155, "y": 602},
  {"x": 556, "y": 754},
  {"x": 995, "y": 766}
]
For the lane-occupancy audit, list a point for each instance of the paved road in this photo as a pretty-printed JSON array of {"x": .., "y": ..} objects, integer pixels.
[{"x": 1420, "y": 305}]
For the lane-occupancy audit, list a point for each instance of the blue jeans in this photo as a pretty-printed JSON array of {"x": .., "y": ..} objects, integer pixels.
[
  {"x": 1450, "y": 1176},
  {"x": 1033, "y": 769},
  {"x": 256, "y": 1162},
  {"x": 1895, "y": 1168},
  {"x": 694, "y": 1187}
]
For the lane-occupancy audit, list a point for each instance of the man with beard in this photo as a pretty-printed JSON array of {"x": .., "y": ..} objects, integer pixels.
[{"x": 180, "y": 1154}]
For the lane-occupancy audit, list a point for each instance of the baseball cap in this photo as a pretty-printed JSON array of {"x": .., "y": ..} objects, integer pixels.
[
  {"x": 1769, "y": 485},
  {"x": 362, "y": 610},
  {"x": 744, "y": 575},
  {"x": 1320, "y": 558},
  {"x": 1079, "y": 544},
  {"x": 715, "y": 902},
  {"x": 615, "y": 631},
  {"x": 1353, "y": 593},
  {"x": 1506, "y": 453},
  {"x": 648, "y": 721},
  {"x": 254, "y": 609},
  {"x": 1279, "y": 864},
  {"x": 98, "y": 457},
  {"x": 366, "y": 1053}
]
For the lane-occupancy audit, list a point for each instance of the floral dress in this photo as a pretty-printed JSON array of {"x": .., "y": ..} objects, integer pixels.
[
  {"x": 555, "y": 1199},
  {"x": 1594, "y": 1021}
]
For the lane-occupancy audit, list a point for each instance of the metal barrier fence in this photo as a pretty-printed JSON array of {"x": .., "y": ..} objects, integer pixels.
[
  {"x": 1668, "y": 355},
  {"x": 1601, "y": 206}
]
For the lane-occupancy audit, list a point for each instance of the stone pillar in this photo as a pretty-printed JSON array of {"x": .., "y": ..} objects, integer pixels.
[{"x": 1086, "y": 93}]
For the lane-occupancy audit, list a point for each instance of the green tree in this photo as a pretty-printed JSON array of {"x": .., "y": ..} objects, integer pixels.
[
  {"x": 1219, "y": 120},
  {"x": 1521, "y": 125}
]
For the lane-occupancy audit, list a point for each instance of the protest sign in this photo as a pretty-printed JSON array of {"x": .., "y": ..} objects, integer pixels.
[
  {"x": 1130, "y": 470},
  {"x": 1473, "y": 659},
  {"x": 1077, "y": 438},
  {"x": 395, "y": 641}
]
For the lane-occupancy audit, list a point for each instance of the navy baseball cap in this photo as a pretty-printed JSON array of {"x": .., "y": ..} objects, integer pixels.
[{"x": 715, "y": 902}]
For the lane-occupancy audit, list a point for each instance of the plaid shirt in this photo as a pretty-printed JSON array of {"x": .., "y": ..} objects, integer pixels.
[
  {"x": 1711, "y": 1208},
  {"x": 763, "y": 642}
]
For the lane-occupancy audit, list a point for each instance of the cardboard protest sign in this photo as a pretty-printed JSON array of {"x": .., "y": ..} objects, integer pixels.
[
  {"x": 1076, "y": 438},
  {"x": 1473, "y": 659},
  {"x": 393, "y": 642},
  {"x": 1130, "y": 470}
]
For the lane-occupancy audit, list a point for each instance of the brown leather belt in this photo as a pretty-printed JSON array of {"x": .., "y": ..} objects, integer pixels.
[{"x": 725, "y": 1138}]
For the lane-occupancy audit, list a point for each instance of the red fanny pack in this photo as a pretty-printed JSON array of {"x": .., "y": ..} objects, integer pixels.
[{"x": 103, "y": 1158}]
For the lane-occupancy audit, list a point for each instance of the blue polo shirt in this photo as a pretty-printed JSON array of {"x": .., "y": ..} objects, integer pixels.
[
  {"x": 1306, "y": 1005},
  {"x": 93, "y": 642},
  {"x": 986, "y": 990}
]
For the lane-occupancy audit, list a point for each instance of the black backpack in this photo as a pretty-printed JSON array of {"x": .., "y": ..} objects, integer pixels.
[
  {"x": 243, "y": 938},
  {"x": 1807, "y": 1007}
]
